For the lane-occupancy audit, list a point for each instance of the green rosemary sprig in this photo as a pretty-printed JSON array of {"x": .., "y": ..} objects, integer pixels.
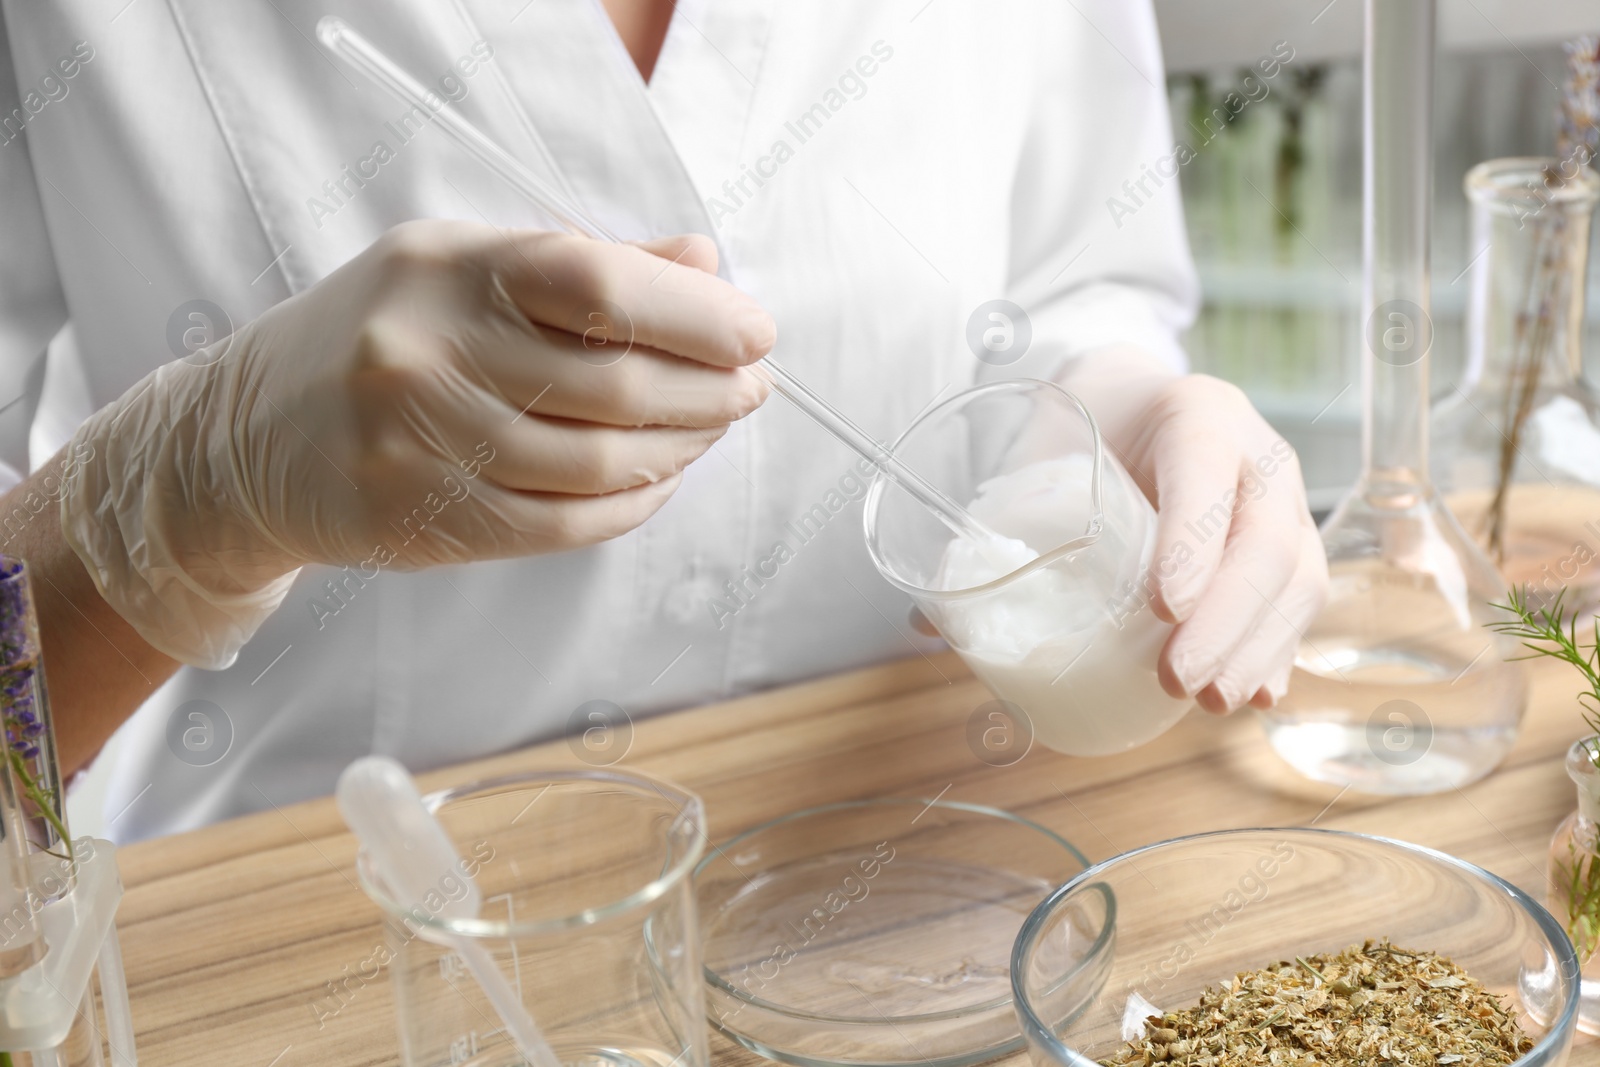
[{"x": 1548, "y": 632}]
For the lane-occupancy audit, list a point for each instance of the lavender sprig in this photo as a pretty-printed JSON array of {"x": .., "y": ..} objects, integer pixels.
[
  {"x": 1578, "y": 120},
  {"x": 1577, "y": 145},
  {"x": 25, "y": 722}
]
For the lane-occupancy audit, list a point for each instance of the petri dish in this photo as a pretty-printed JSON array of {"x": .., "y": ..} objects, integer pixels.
[{"x": 875, "y": 932}]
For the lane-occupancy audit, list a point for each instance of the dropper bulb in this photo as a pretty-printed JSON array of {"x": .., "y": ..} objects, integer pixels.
[{"x": 380, "y": 802}]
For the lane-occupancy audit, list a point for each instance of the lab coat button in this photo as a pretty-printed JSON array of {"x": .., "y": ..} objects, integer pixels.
[{"x": 687, "y": 601}]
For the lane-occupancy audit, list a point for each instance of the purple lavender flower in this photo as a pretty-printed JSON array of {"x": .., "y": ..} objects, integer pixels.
[
  {"x": 19, "y": 631},
  {"x": 25, "y": 718}
]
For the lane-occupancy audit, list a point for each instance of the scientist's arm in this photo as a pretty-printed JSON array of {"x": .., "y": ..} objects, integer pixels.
[
  {"x": 454, "y": 393},
  {"x": 98, "y": 668}
]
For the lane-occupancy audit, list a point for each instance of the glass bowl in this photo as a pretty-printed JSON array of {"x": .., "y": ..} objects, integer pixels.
[
  {"x": 874, "y": 932},
  {"x": 1149, "y": 930}
]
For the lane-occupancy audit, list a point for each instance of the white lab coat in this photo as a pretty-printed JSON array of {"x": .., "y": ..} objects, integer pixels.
[{"x": 187, "y": 160}]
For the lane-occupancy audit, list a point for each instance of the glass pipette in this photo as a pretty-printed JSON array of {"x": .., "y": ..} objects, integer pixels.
[{"x": 337, "y": 36}]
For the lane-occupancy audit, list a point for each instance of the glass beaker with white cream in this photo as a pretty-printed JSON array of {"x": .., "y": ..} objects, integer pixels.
[{"x": 1053, "y": 615}]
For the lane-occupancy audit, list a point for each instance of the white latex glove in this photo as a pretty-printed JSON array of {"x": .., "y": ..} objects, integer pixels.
[
  {"x": 1238, "y": 563},
  {"x": 453, "y": 393}
]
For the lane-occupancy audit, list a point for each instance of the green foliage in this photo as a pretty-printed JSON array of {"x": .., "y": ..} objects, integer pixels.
[
  {"x": 1548, "y": 632},
  {"x": 1580, "y": 881}
]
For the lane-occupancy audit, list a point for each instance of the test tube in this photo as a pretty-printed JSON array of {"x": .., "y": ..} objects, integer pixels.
[
  {"x": 20, "y": 943},
  {"x": 1397, "y": 172}
]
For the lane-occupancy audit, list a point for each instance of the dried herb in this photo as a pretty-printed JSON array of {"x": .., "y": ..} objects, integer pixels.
[
  {"x": 1372, "y": 1005},
  {"x": 1578, "y": 120}
]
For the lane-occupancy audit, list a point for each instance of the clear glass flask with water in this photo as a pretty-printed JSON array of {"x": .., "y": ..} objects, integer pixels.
[
  {"x": 1399, "y": 686},
  {"x": 1517, "y": 446}
]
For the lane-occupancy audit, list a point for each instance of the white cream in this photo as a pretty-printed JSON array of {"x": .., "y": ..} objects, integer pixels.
[{"x": 1050, "y": 642}]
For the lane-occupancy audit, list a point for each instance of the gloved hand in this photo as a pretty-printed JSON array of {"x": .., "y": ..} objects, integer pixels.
[
  {"x": 1238, "y": 563},
  {"x": 453, "y": 393}
]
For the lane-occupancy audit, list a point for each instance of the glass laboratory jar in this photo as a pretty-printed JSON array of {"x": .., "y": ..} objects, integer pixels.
[
  {"x": 588, "y": 911},
  {"x": 1057, "y": 620},
  {"x": 1518, "y": 447},
  {"x": 1399, "y": 685},
  {"x": 1574, "y": 893}
]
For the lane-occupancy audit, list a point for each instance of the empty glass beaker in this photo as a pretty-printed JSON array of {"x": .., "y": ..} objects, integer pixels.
[
  {"x": 1055, "y": 618},
  {"x": 587, "y": 910}
]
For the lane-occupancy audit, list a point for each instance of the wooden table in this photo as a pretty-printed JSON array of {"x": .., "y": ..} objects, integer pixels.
[{"x": 230, "y": 932}]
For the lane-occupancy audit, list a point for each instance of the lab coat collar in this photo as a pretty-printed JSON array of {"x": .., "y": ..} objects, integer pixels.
[
  {"x": 570, "y": 74},
  {"x": 559, "y": 92}
]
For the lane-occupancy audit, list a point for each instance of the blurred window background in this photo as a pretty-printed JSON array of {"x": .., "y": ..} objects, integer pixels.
[{"x": 1273, "y": 194}]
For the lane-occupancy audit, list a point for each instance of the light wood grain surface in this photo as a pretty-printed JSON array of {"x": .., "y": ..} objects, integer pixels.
[{"x": 231, "y": 932}]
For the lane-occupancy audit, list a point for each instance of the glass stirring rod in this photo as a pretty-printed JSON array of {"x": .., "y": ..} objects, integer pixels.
[{"x": 344, "y": 42}]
